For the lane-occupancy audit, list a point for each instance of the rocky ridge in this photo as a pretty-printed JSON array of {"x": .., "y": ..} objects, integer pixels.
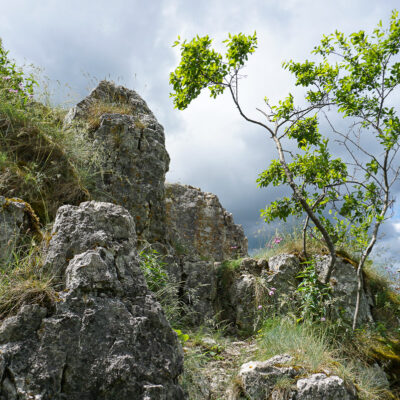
[{"x": 107, "y": 336}]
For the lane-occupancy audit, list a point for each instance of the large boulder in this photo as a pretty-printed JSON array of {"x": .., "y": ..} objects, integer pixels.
[
  {"x": 17, "y": 222},
  {"x": 126, "y": 154},
  {"x": 199, "y": 227},
  {"x": 106, "y": 338}
]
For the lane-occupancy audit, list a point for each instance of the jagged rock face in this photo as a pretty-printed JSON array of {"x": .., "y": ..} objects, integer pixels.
[
  {"x": 259, "y": 380},
  {"x": 199, "y": 227},
  {"x": 344, "y": 290},
  {"x": 128, "y": 156},
  {"x": 16, "y": 220},
  {"x": 107, "y": 337}
]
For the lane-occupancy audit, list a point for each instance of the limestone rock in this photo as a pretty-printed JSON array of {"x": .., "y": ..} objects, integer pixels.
[
  {"x": 276, "y": 379},
  {"x": 16, "y": 220},
  {"x": 322, "y": 387},
  {"x": 283, "y": 271},
  {"x": 107, "y": 337},
  {"x": 241, "y": 291},
  {"x": 258, "y": 378},
  {"x": 344, "y": 290},
  {"x": 199, "y": 227},
  {"x": 200, "y": 290},
  {"x": 127, "y": 154}
]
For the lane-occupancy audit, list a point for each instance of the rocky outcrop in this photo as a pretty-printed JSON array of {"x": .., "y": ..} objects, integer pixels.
[
  {"x": 199, "y": 227},
  {"x": 106, "y": 337},
  {"x": 126, "y": 154},
  {"x": 278, "y": 379},
  {"x": 252, "y": 289},
  {"x": 17, "y": 222}
]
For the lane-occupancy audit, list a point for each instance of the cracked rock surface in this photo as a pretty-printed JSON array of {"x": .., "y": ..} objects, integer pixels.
[
  {"x": 107, "y": 337},
  {"x": 199, "y": 227}
]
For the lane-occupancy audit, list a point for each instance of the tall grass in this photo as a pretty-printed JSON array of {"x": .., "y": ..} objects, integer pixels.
[
  {"x": 23, "y": 281},
  {"x": 322, "y": 348}
]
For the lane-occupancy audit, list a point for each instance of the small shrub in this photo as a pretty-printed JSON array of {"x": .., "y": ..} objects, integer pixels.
[
  {"x": 153, "y": 269},
  {"x": 314, "y": 296}
]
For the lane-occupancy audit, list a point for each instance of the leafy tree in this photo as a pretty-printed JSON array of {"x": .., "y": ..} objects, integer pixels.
[{"x": 357, "y": 76}]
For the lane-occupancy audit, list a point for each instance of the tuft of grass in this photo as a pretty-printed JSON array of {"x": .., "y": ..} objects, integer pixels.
[
  {"x": 23, "y": 281},
  {"x": 193, "y": 380},
  {"x": 323, "y": 348},
  {"x": 35, "y": 164},
  {"x": 291, "y": 243},
  {"x": 305, "y": 344},
  {"x": 99, "y": 108}
]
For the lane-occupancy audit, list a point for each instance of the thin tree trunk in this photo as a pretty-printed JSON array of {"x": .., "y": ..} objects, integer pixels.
[{"x": 305, "y": 237}]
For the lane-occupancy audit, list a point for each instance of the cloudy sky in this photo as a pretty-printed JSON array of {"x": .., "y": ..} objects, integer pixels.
[{"x": 211, "y": 147}]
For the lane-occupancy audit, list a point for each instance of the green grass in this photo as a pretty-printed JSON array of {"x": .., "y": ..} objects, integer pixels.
[
  {"x": 23, "y": 281},
  {"x": 35, "y": 163},
  {"x": 323, "y": 348}
]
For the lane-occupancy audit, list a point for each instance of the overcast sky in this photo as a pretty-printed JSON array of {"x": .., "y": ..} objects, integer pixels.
[{"x": 211, "y": 147}]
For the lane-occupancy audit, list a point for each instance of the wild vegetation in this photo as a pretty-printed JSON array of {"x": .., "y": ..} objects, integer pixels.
[
  {"x": 41, "y": 163},
  {"x": 359, "y": 77}
]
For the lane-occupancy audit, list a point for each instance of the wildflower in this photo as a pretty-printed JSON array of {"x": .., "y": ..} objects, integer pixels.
[
  {"x": 13, "y": 90},
  {"x": 234, "y": 247},
  {"x": 271, "y": 292},
  {"x": 277, "y": 240},
  {"x": 259, "y": 307},
  {"x": 6, "y": 78},
  {"x": 323, "y": 319},
  {"x": 273, "y": 289}
]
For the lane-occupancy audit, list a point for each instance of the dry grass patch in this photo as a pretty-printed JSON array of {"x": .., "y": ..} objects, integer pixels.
[{"x": 99, "y": 108}]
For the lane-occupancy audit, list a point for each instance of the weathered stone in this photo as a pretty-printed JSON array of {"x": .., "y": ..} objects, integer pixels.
[
  {"x": 322, "y": 387},
  {"x": 89, "y": 226},
  {"x": 276, "y": 379},
  {"x": 128, "y": 158},
  {"x": 199, "y": 227},
  {"x": 200, "y": 290},
  {"x": 344, "y": 286},
  {"x": 107, "y": 337},
  {"x": 283, "y": 270},
  {"x": 257, "y": 379},
  {"x": 16, "y": 220},
  {"x": 242, "y": 290},
  {"x": 243, "y": 299}
]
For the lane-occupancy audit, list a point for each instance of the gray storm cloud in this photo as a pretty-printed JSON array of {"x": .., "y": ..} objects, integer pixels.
[{"x": 130, "y": 42}]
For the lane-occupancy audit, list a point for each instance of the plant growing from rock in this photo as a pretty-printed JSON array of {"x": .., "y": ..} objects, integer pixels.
[{"x": 357, "y": 76}]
